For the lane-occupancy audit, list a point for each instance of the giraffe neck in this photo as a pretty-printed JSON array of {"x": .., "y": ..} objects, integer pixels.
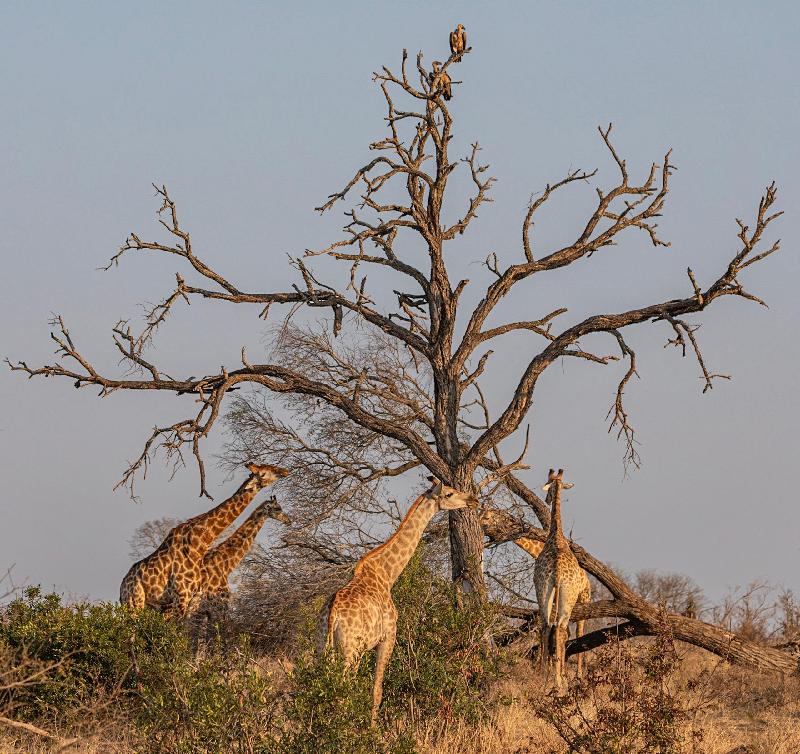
[
  {"x": 228, "y": 554},
  {"x": 207, "y": 527},
  {"x": 531, "y": 546},
  {"x": 555, "y": 532},
  {"x": 394, "y": 554}
]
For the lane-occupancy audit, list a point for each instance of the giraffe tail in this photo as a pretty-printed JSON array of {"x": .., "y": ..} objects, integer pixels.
[
  {"x": 327, "y": 625},
  {"x": 551, "y": 614}
]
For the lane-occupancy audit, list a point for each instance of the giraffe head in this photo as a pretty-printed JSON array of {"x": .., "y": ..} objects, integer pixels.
[
  {"x": 492, "y": 518},
  {"x": 263, "y": 476},
  {"x": 449, "y": 499},
  {"x": 556, "y": 481},
  {"x": 273, "y": 510},
  {"x": 460, "y": 27},
  {"x": 436, "y": 65}
]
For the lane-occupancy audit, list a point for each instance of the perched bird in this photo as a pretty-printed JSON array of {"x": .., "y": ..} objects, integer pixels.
[
  {"x": 440, "y": 81},
  {"x": 458, "y": 41}
]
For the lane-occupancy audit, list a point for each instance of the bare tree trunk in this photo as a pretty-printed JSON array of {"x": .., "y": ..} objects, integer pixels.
[
  {"x": 466, "y": 552},
  {"x": 646, "y": 619}
]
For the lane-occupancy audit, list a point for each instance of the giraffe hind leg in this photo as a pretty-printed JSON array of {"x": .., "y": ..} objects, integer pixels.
[
  {"x": 579, "y": 659},
  {"x": 132, "y": 595},
  {"x": 544, "y": 646},
  {"x": 383, "y": 655},
  {"x": 547, "y": 616},
  {"x": 561, "y": 632}
]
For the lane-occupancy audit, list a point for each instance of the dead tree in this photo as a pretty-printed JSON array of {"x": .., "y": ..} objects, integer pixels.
[{"x": 401, "y": 193}]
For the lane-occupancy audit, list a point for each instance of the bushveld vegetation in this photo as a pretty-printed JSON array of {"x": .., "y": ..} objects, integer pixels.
[{"x": 95, "y": 677}]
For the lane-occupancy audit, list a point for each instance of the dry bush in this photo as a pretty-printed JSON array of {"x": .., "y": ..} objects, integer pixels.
[
  {"x": 147, "y": 537},
  {"x": 733, "y": 710},
  {"x": 280, "y": 593},
  {"x": 675, "y": 592},
  {"x": 788, "y": 618}
]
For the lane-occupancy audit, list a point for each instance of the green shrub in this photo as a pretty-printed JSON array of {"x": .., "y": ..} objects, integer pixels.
[
  {"x": 222, "y": 703},
  {"x": 330, "y": 711},
  {"x": 443, "y": 664},
  {"x": 442, "y": 667},
  {"x": 142, "y": 665},
  {"x": 96, "y": 650}
]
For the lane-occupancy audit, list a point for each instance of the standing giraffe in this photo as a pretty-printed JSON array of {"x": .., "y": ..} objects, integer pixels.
[
  {"x": 560, "y": 584},
  {"x": 534, "y": 547},
  {"x": 220, "y": 561},
  {"x": 167, "y": 578},
  {"x": 362, "y": 615}
]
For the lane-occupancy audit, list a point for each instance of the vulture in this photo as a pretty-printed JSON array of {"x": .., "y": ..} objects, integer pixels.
[
  {"x": 458, "y": 40},
  {"x": 440, "y": 81}
]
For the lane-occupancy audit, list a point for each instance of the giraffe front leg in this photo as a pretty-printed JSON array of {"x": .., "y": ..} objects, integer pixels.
[{"x": 384, "y": 654}]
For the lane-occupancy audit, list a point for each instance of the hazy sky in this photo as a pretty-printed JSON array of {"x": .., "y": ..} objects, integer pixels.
[{"x": 252, "y": 113}]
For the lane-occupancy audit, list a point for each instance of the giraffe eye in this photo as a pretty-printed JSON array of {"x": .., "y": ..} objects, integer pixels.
[{"x": 449, "y": 494}]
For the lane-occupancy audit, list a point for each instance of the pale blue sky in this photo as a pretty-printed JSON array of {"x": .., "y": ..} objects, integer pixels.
[{"x": 252, "y": 113}]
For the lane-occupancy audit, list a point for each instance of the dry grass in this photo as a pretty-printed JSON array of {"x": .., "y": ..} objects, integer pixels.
[
  {"x": 113, "y": 740},
  {"x": 749, "y": 713}
]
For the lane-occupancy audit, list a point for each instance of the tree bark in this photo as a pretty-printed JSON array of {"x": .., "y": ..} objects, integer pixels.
[{"x": 466, "y": 552}]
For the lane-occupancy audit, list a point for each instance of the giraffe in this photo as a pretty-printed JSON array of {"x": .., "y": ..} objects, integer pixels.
[
  {"x": 560, "y": 584},
  {"x": 220, "y": 561},
  {"x": 362, "y": 615},
  {"x": 166, "y": 579},
  {"x": 533, "y": 547}
]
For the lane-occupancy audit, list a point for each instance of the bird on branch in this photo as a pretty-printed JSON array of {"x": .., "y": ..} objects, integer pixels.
[
  {"x": 440, "y": 81},
  {"x": 413, "y": 300},
  {"x": 458, "y": 41}
]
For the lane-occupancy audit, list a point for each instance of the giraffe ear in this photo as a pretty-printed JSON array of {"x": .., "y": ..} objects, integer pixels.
[
  {"x": 437, "y": 489},
  {"x": 547, "y": 486},
  {"x": 568, "y": 485}
]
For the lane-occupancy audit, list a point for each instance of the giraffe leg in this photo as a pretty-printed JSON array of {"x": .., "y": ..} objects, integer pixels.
[
  {"x": 544, "y": 649},
  {"x": 133, "y": 596},
  {"x": 561, "y": 633},
  {"x": 584, "y": 598},
  {"x": 384, "y": 653},
  {"x": 579, "y": 660}
]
